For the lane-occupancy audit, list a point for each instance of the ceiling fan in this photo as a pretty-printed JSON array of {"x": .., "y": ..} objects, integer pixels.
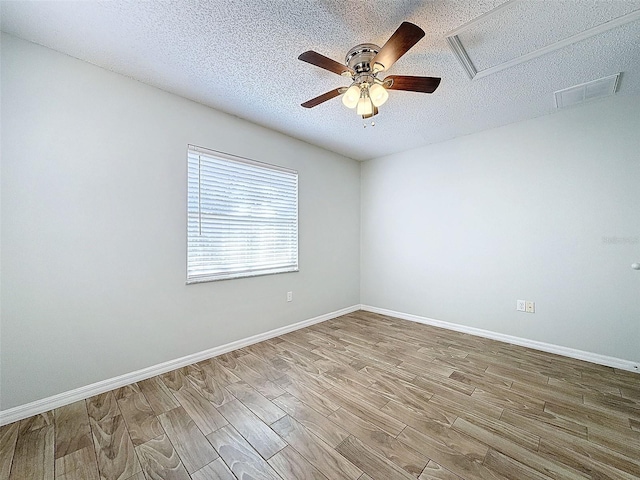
[{"x": 363, "y": 64}]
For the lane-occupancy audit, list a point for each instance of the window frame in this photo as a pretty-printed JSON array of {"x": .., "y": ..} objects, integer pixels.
[{"x": 232, "y": 160}]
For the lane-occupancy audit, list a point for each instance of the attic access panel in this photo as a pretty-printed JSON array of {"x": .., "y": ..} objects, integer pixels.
[{"x": 518, "y": 31}]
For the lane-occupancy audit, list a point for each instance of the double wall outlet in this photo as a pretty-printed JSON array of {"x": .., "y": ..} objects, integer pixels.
[
  {"x": 289, "y": 296},
  {"x": 526, "y": 306}
]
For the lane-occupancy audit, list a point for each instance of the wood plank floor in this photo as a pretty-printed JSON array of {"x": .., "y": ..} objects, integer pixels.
[{"x": 363, "y": 396}]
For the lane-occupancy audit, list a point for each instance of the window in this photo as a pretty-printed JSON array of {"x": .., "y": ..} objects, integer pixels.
[{"x": 242, "y": 217}]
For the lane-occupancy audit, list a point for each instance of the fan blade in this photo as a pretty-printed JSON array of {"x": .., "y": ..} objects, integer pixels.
[
  {"x": 314, "y": 58},
  {"x": 405, "y": 37},
  {"x": 412, "y": 84},
  {"x": 323, "y": 98}
]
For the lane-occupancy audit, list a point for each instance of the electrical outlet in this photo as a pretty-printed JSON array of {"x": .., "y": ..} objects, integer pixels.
[
  {"x": 531, "y": 307},
  {"x": 521, "y": 305},
  {"x": 289, "y": 296}
]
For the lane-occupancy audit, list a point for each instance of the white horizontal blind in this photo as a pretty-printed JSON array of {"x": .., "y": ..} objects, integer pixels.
[{"x": 242, "y": 217}]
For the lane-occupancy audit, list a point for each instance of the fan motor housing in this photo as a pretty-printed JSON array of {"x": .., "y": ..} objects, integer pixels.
[{"x": 359, "y": 57}]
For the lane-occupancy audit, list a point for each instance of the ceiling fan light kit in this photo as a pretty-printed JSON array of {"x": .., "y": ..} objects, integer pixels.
[
  {"x": 365, "y": 107},
  {"x": 363, "y": 63},
  {"x": 378, "y": 94},
  {"x": 351, "y": 96}
]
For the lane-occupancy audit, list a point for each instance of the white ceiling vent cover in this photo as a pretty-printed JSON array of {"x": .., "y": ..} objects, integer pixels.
[{"x": 603, "y": 87}]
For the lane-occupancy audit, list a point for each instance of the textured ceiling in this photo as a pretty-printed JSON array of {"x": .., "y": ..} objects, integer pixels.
[{"x": 241, "y": 57}]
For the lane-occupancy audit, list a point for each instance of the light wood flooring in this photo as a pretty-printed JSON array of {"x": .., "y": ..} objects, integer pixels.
[{"x": 362, "y": 396}]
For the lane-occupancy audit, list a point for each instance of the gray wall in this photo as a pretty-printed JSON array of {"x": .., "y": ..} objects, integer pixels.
[
  {"x": 94, "y": 227},
  {"x": 545, "y": 210}
]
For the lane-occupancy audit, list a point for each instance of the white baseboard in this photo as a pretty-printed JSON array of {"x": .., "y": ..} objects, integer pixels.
[
  {"x": 545, "y": 347},
  {"x": 40, "y": 406}
]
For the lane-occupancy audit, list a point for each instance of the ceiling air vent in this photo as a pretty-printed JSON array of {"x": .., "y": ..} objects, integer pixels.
[{"x": 603, "y": 87}]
